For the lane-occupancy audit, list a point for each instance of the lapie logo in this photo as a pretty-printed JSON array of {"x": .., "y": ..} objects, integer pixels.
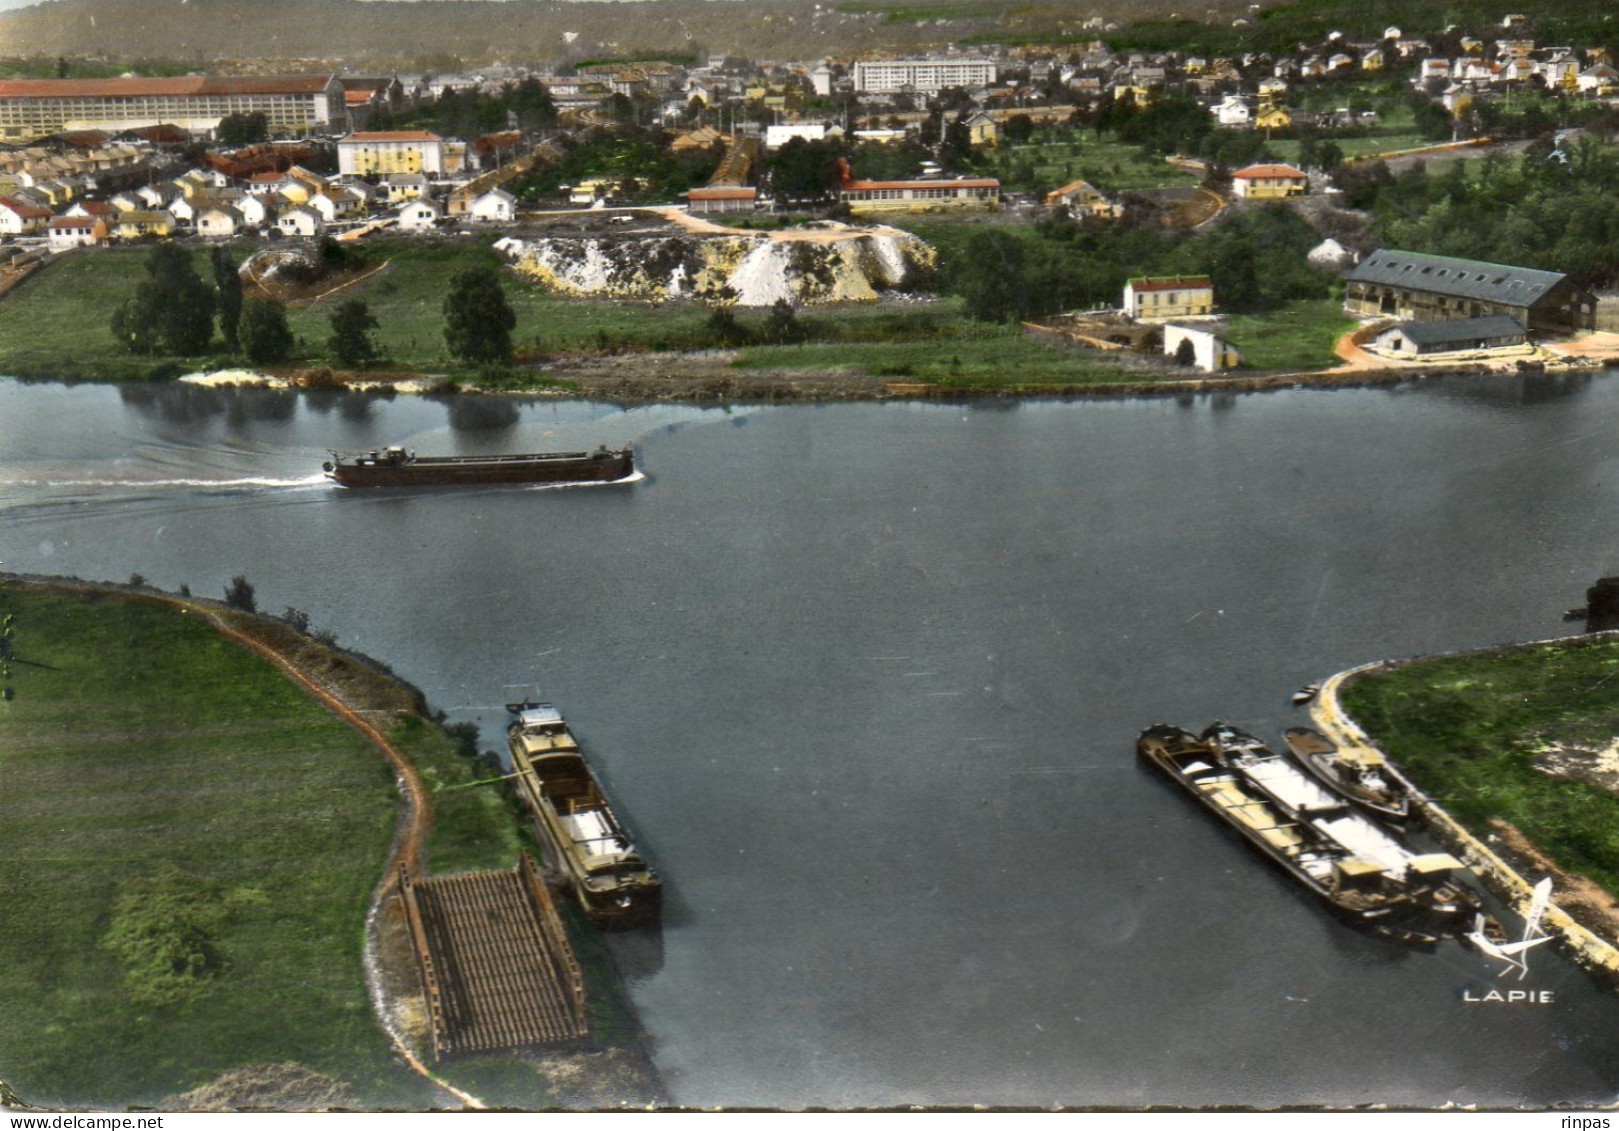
[{"x": 1515, "y": 955}]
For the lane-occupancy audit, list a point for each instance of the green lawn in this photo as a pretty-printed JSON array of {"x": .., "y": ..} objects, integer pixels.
[
  {"x": 153, "y": 759},
  {"x": 159, "y": 776},
  {"x": 1466, "y": 728},
  {"x": 992, "y": 356},
  {"x": 1299, "y": 335},
  {"x": 1287, "y": 149},
  {"x": 1112, "y": 166}
]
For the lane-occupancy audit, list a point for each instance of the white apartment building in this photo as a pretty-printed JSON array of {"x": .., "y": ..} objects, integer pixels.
[
  {"x": 36, "y": 107},
  {"x": 880, "y": 76}
]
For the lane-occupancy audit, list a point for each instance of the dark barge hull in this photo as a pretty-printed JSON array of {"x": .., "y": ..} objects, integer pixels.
[{"x": 455, "y": 471}]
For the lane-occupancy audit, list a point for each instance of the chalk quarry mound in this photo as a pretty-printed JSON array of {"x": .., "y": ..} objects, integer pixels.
[{"x": 748, "y": 269}]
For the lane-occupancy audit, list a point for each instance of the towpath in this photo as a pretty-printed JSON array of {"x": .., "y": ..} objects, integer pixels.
[{"x": 416, "y": 817}]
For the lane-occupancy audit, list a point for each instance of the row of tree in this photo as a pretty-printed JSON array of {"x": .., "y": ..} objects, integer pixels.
[{"x": 173, "y": 312}]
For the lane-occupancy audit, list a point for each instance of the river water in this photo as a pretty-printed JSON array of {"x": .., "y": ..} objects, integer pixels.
[{"x": 865, "y": 680}]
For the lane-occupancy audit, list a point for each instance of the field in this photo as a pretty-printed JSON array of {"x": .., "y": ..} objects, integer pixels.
[
  {"x": 1112, "y": 166},
  {"x": 1299, "y": 335},
  {"x": 213, "y": 789},
  {"x": 185, "y": 880},
  {"x": 1468, "y": 729}
]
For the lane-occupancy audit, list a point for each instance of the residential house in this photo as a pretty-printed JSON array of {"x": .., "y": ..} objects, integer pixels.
[
  {"x": 1268, "y": 182},
  {"x": 256, "y": 210},
  {"x": 419, "y": 216},
  {"x": 64, "y": 232},
  {"x": 300, "y": 220},
  {"x": 1234, "y": 112},
  {"x": 1600, "y": 79},
  {"x": 1207, "y": 351},
  {"x": 1274, "y": 118},
  {"x": 401, "y": 187},
  {"x": 140, "y": 224},
  {"x": 497, "y": 206},
  {"x": 982, "y": 129},
  {"x": 219, "y": 221},
  {"x": 1174, "y": 296},
  {"x": 19, "y": 217},
  {"x": 1082, "y": 198}
]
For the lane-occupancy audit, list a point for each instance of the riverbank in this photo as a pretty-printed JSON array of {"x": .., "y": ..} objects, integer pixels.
[
  {"x": 262, "y": 863},
  {"x": 1508, "y": 746}
]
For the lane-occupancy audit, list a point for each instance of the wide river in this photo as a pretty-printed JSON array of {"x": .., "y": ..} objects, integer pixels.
[{"x": 865, "y": 680}]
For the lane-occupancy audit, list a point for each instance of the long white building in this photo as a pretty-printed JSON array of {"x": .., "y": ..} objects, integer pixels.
[
  {"x": 31, "y": 108},
  {"x": 880, "y": 76}
]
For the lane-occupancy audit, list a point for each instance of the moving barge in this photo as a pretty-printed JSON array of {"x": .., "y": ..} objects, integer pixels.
[
  {"x": 580, "y": 836},
  {"x": 395, "y": 467},
  {"x": 1350, "y": 862}
]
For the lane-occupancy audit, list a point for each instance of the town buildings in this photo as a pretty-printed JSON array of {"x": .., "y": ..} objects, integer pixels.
[
  {"x": 881, "y": 76},
  {"x": 31, "y": 108}
]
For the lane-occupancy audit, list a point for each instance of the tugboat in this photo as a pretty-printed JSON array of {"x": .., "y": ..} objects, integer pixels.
[
  {"x": 1349, "y": 862},
  {"x": 581, "y": 837},
  {"x": 1364, "y": 777},
  {"x": 395, "y": 467}
]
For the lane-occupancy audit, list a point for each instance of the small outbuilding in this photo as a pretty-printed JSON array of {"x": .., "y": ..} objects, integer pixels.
[{"x": 1416, "y": 339}]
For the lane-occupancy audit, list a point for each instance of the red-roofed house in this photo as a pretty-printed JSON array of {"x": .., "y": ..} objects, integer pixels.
[
  {"x": 20, "y": 218},
  {"x": 390, "y": 151},
  {"x": 76, "y": 231},
  {"x": 1267, "y": 182},
  {"x": 1169, "y": 296}
]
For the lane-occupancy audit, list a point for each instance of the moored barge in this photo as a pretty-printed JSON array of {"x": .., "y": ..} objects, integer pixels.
[
  {"x": 580, "y": 835},
  {"x": 396, "y": 467},
  {"x": 1348, "y": 861},
  {"x": 1363, "y": 776}
]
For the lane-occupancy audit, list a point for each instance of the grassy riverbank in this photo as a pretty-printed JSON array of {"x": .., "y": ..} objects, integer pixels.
[
  {"x": 57, "y": 325},
  {"x": 188, "y": 853},
  {"x": 1471, "y": 731}
]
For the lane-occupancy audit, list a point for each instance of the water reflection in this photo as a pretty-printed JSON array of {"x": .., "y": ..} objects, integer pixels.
[{"x": 481, "y": 414}]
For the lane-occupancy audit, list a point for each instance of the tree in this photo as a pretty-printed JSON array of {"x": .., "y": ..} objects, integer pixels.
[
  {"x": 990, "y": 277},
  {"x": 243, "y": 129},
  {"x": 266, "y": 337},
  {"x": 1018, "y": 128},
  {"x": 227, "y": 296},
  {"x": 239, "y": 594},
  {"x": 171, "y": 311},
  {"x": 1186, "y": 353},
  {"x": 478, "y": 321},
  {"x": 351, "y": 343},
  {"x": 724, "y": 327},
  {"x": 783, "y": 327}
]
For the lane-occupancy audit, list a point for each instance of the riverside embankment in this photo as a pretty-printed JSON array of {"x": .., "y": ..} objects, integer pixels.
[{"x": 1584, "y": 917}]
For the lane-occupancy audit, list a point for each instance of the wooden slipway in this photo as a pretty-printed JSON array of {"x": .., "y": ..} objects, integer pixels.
[{"x": 496, "y": 966}]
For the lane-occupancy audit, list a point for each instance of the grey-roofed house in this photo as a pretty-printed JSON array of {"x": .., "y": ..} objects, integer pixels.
[
  {"x": 1414, "y": 339},
  {"x": 1438, "y": 288}
]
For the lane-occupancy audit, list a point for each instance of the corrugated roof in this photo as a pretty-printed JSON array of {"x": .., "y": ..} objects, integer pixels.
[
  {"x": 1461, "y": 329},
  {"x": 1462, "y": 278}
]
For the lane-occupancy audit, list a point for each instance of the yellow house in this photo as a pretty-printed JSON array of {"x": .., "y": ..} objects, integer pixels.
[
  {"x": 983, "y": 130},
  {"x": 1169, "y": 296},
  {"x": 1269, "y": 182},
  {"x": 1273, "y": 118},
  {"x": 390, "y": 151},
  {"x": 133, "y": 225},
  {"x": 1372, "y": 60}
]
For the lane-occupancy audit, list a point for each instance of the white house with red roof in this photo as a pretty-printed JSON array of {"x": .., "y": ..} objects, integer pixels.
[
  {"x": 1151, "y": 298},
  {"x": 1269, "y": 182},
  {"x": 64, "y": 232},
  {"x": 20, "y": 218}
]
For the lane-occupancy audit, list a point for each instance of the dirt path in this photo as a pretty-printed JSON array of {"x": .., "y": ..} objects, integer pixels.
[{"x": 415, "y": 820}]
